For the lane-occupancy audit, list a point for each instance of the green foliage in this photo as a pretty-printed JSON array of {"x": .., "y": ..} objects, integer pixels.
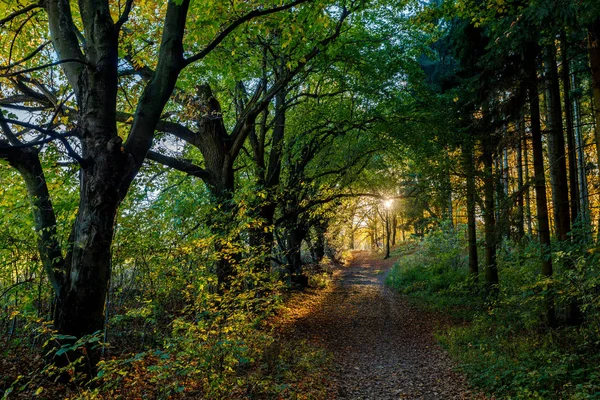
[
  {"x": 434, "y": 271},
  {"x": 222, "y": 346},
  {"x": 505, "y": 348},
  {"x": 171, "y": 332}
]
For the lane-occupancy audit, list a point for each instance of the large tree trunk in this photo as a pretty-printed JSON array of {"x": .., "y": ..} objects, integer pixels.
[
  {"x": 540, "y": 179},
  {"x": 556, "y": 148},
  {"x": 214, "y": 144},
  {"x": 469, "y": 167},
  {"x": 320, "y": 227},
  {"x": 220, "y": 225},
  {"x": 80, "y": 305},
  {"x": 296, "y": 233},
  {"x": 269, "y": 175},
  {"x": 107, "y": 166},
  {"x": 26, "y": 161}
]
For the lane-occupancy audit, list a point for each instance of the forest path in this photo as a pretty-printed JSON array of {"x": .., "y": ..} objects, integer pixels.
[{"x": 383, "y": 347}]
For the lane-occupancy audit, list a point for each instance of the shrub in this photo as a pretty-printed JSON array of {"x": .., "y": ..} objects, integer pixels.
[{"x": 506, "y": 349}]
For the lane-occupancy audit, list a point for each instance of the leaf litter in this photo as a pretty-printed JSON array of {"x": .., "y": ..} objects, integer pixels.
[{"x": 382, "y": 346}]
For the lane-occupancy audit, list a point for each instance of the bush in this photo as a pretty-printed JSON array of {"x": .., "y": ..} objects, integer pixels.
[
  {"x": 435, "y": 272},
  {"x": 507, "y": 349}
]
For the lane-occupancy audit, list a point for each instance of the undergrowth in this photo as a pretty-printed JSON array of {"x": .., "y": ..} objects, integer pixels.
[
  {"x": 505, "y": 347},
  {"x": 220, "y": 346}
]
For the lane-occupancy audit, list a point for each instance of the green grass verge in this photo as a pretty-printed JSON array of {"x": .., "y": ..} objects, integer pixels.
[{"x": 502, "y": 344}]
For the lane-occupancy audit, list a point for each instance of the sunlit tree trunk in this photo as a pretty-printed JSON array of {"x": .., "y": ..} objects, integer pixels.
[
  {"x": 526, "y": 167},
  {"x": 556, "y": 148},
  {"x": 572, "y": 150},
  {"x": 594, "y": 51},
  {"x": 520, "y": 220}
]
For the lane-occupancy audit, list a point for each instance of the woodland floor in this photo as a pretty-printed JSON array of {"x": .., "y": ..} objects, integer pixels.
[{"x": 383, "y": 347}]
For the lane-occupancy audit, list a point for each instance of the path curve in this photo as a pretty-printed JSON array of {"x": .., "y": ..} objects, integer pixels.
[{"x": 383, "y": 347}]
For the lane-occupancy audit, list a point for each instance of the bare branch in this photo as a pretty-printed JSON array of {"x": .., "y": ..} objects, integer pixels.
[
  {"x": 53, "y": 135},
  {"x": 180, "y": 165},
  {"x": 125, "y": 16},
  {"x": 40, "y": 67},
  {"x": 175, "y": 129}
]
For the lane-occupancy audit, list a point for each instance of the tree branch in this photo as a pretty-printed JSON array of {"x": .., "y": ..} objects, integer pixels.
[
  {"x": 19, "y": 12},
  {"x": 64, "y": 39},
  {"x": 53, "y": 135},
  {"x": 158, "y": 90},
  {"x": 27, "y": 57},
  {"x": 39, "y": 67},
  {"x": 229, "y": 29},
  {"x": 180, "y": 165},
  {"x": 125, "y": 16}
]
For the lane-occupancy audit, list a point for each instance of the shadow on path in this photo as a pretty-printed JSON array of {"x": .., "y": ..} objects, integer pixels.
[{"x": 383, "y": 347}]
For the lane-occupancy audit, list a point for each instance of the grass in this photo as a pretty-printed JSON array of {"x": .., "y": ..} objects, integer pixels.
[{"x": 502, "y": 344}]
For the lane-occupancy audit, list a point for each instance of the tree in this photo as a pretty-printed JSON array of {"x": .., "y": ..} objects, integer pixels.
[{"x": 89, "y": 62}]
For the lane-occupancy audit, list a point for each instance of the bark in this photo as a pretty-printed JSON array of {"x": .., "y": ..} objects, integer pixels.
[
  {"x": 107, "y": 167},
  {"x": 502, "y": 201},
  {"x": 574, "y": 315},
  {"x": 583, "y": 187},
  {"x": 394, "y": 228},
  {"x": 387, "y": 234},
  {"x": 527, "y": 192},
  {"x": 572, "y": 148},
  {"x": 447, "y": 211},
  {"x": 520, "y": 219},
  {"x": 269, "y": 174},
  {"x": 505, "y": 170},
  {"x": 489, "y": 218},
  {"x": 320, "y": 227},
  {"x": 540, "y": 179},
  {"x": 556, "y": 148},
  {"x": 594, "y": 51},
  {"x": 296, "y": 233},
  {"x": 80, "y": 303},
  {"x": 469, "y": 167},
  {"x": 26, "y": 161},
  {"x": 375, "y": 237}
]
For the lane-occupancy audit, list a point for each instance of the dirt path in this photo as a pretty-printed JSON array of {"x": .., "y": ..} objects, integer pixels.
[{"x": 383, "y": 347}]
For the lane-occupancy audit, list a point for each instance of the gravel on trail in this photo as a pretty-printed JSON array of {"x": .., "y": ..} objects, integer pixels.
[{"x": 383, "y": 347}]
